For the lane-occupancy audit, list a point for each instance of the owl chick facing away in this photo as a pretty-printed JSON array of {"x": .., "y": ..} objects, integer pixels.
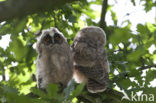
[
  {"x": 54, "y": 62},
  {"x": 90, "y": 59}
]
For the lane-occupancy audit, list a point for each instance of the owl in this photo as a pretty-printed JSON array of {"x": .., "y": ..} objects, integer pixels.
[
  {"x": 90, "y": 59},
  {"x": 54, "y": 62}
]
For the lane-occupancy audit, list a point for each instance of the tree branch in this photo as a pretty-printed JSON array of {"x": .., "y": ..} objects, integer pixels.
[
  {"x": 112, "y": 95},
  {"x": 147, "y": 67},
  {"x": 102, "y": 22},
  {"x": 10, "y": 9}
]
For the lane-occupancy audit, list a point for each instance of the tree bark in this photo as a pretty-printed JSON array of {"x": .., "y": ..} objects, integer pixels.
[{"x": 102, "y": 22}]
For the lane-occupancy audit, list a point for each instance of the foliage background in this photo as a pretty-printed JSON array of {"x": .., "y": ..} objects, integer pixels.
[{"x": 18, "y": 60}]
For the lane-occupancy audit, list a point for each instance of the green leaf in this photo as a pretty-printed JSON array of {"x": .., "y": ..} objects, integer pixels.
[
  {"x": 20, "y": 25},
  {"x": 141, "y": 29},
  {"x": 78, "y": 90},
  {"x": 148, "y": 5},
  {"x": 52, "y": 90},
  {"x": 38, "y": 92},
  {"x": 133, "y": 2},
  {"x": 72, "y": 19},
  {"x": 151, "y": 27},
  {"x": 125, "y": 83},
  {"x": 150, "y": 75},
  {"x": 120, "y": 35},
  {"x": 135, "y": 55},
  {"x": 31, "y": 53},
  {"x": 114, "y": 17},
  {"x": 18, "y": 48}
]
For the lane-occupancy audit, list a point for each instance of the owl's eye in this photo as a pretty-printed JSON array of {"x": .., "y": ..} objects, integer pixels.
[
  {"x": 57, "y": 38},
  {"x": 47, "y": 39}
]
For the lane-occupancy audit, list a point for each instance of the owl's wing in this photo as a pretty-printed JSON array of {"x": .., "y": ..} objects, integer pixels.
[
  {"x": 91, "y": 72},
  {"x": 97, "y": 78},
  {"x": 98, "y": 83},
  {"x": 99, "y": 70}
]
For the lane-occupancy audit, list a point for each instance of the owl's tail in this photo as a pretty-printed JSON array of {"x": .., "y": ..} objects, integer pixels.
[{"x": 94, "y": 86}]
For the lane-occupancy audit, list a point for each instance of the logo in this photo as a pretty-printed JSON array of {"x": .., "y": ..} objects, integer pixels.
[
  {"x": 125, "y": 97},
  {"x": 135, "y": 97}
]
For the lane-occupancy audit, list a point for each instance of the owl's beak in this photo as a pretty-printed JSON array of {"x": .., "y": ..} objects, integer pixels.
[{"x": 52, "y": 39}]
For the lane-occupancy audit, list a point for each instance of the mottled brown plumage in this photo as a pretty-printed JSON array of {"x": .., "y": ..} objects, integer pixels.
[
  {"x": 54, "y": 62},
  {"x": 90, "y": 58}
]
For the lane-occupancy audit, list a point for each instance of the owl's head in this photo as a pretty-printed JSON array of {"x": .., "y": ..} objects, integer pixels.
[
  {"x": 51, "y": 37},
  {"x": 93, "y": 34}
]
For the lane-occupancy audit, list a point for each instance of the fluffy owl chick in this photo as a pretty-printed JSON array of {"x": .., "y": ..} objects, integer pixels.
[
  {"x": 90, "y": 59},
  {"x": 54, "y": 62}
]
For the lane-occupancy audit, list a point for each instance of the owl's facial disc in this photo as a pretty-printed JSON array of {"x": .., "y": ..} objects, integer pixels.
[{"x": 52, "y": 39}]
